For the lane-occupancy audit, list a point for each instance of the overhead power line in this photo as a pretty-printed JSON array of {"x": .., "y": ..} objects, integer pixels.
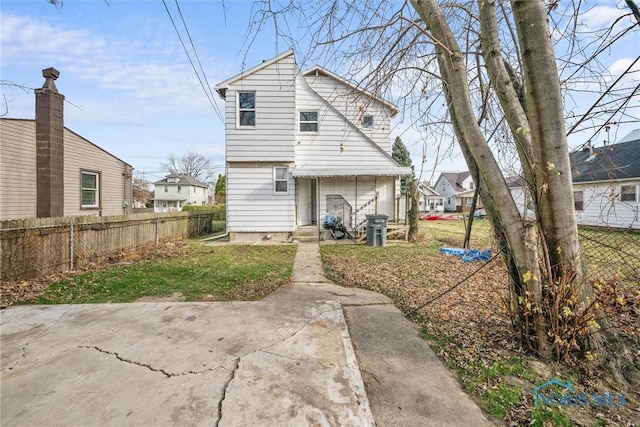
[{"x": 208, "y": 93}]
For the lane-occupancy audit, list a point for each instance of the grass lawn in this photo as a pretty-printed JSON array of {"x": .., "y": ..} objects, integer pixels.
[
  {"x": 191, "y": 273},
  {"x": 470, "y": 328}
]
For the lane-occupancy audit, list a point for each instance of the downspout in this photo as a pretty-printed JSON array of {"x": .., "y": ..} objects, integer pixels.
[{"x": 356, "y": 218}]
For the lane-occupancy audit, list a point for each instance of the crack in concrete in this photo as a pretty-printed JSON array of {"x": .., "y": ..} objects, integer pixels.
[
  {"x": 366, "y": 304},
  {"x": 148, "y": 366},
  {"x": 41, "y": 333},
  {"x": 232, "y": 375}
]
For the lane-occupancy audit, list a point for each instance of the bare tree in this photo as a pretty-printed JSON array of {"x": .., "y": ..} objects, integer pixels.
[
  {"x": 487, "y": 72},
  {"x": 192, "y": 164},
  {"x": 141, "y": 192}
]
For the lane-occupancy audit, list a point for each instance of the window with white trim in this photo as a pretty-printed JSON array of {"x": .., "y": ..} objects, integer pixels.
[
  {"x": 90, "y": 189},
  {"x": 367, "y": 122},
  {"x": 308, "y": 121},
  {"x": 246, "y": 109},
  {"x": 628, "y": 193},
  {"x": 281, "y": 179}
]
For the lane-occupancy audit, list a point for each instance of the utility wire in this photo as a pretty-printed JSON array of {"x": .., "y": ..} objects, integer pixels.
[
  {"x": 195, "y": 52},
  {"x": 192, "y": 64}
]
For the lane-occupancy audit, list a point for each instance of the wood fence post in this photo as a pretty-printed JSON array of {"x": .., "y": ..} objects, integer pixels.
[{"x": 71, "y": 247}]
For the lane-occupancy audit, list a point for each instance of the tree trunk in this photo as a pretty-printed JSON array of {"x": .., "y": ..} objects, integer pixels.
[{"x": 414, "y": 199}]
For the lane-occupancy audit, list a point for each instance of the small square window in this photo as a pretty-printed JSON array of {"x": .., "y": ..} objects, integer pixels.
[
  {"x": 367, "y": 122},
  {"x": 628, "y": 193},
  {"x": 308, "y": 121},
  {"x": 246, "y": 108},
  {"x": 578, "y": 199},
  {"x": 281, "y": 179}
]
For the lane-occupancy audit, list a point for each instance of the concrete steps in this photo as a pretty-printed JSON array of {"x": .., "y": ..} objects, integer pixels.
[{"x": 306, "y": 234}]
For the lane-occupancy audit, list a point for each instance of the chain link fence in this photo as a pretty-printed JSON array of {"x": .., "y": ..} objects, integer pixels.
[
  {"x": 613, "y": 254},
  {"x": 37, "y": 247}
]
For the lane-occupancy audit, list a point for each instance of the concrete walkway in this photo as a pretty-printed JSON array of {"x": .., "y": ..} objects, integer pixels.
[{"x": 289, "y": 359}]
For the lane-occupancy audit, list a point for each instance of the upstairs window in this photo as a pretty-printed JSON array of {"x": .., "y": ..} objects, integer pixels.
[
  {"x": 90, "y": 189},
  {"x": 308, "y": 121},
  {"x": 281, "y": 180},
  {"x": 166, "y": 188},
  {"x": 179, "y": 188},
  {"x": 628, "y": 193},
  {"x": 367, "y": 122},
  {"x": 246, "y": 108},
  {"x": 578, "y": 199}
]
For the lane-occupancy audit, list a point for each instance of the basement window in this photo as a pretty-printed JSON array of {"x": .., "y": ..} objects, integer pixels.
[{"x": 90, "y": 189}]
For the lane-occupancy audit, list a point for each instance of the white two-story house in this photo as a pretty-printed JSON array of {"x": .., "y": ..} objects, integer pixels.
[
  {"x": 457, "y": 190},
  {"x": 300, "y": 145},
  {"x": 175, "y": 191}
]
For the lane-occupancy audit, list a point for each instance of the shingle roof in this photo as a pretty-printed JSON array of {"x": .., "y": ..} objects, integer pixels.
[
  {"x": 455, "y": 179},
  {"x": 184, "y": 180},
  {"x": 612, "y": 162}
]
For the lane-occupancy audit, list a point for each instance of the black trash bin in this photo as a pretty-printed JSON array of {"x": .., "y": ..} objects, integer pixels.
[{"x": 377, "y": 230}]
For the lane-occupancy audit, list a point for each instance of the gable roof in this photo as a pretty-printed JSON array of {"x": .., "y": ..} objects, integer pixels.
[
  {"x": 427, "y": 190},
  {"x": 184, "y": 180},
  {"x": 613, "y": 162},
  {"x": 32, "y": 121},
  {"x": 318, "y": 70},
  {"x": 222, "y": 87},
  {"x": 455, "y": 179}
]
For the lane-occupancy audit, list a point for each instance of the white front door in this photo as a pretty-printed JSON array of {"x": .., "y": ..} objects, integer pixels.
[{"x": 304, "y": 201}]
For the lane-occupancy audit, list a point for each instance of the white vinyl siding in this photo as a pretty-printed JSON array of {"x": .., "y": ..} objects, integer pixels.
[
  {"x": 251, "y": 203},
  {"x": 354, "y": 106},
  {"x": 17, "y": 169},
  {"x": 272, "y": 138},
  {"x": 601, "y": 209},
  {"x": 337, "y": 143}
]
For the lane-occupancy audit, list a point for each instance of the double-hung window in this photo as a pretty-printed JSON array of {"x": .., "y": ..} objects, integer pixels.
[
  {"x": 367, "y": 122},
  {"x": 308, "y": 121},
  {"x": 90, "y": 189},
  {"x": 246, "y": 109},
  {"x": 628, "y": 193},
  {"x": 281, "y": 180},
  {"x": 578, "y": 199}
]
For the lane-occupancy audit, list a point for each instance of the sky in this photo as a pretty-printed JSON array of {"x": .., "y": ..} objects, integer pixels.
[{"x": 129, "y": 85}]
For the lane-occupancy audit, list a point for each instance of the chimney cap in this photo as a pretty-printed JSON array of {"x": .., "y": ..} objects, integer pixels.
[{"x": 50, "y": 73}]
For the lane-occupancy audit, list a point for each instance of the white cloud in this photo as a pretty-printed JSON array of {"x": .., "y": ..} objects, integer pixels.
[{"x": 600, "y": 17}]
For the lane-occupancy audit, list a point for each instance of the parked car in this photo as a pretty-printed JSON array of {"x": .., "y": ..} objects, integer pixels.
[{"x": 480, "y": 213}]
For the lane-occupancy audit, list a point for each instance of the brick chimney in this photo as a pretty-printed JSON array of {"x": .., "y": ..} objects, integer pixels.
[{"x": 49, "y": 147}]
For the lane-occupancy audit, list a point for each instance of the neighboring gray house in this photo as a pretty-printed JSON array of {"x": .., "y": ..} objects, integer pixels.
[
  {"x": 300, "y": 145},
  {"x": 175, "y": 191},
  {"x": 47, "y": 170},
  {"x": 457, "y": 190},
  {"x": 606, "y": 184}
]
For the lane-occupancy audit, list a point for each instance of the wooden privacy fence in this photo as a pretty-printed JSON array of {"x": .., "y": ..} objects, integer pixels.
[{"x": 36, "y": 247}]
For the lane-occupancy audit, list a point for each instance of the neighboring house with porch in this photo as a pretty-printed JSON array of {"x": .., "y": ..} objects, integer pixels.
[
  {"x": 176, "y": 191},
  {"x": 47, "y": 170},
  {"x": 301, "y": 145},
  {"x": 430, "y": 200},
  {"x": 457, "y": 190},
  {"x": 606, "y": 183}
]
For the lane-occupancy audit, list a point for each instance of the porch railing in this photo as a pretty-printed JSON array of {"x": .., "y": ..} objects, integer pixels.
[{"x": 359, "y": 217}]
